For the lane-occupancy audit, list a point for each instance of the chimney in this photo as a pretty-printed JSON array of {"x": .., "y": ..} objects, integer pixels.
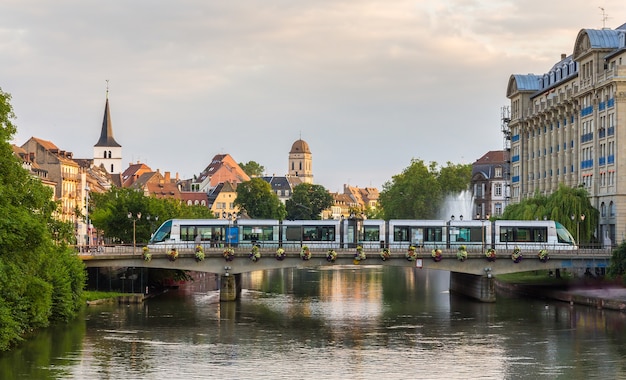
[
  {"x": 563, "y": 56},
  {"x": 167, "y": 177}
]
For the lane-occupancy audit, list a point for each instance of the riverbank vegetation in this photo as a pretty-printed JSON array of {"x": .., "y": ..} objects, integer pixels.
[
  {"x": 90, "y": 295},
  {"x": 41, "y": 279},
  {"x": 542, "y": 277},
  {"x": 617, "y": 268}
]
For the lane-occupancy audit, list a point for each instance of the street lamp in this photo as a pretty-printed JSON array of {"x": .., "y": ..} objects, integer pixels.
[
  {"x": 578, "y": 220},
  {"x": 134, "y": 218},
  {"x": 156, "y": 219},
  {"x": 482, "y": 220},
  {"x": 87, "y": 190}
]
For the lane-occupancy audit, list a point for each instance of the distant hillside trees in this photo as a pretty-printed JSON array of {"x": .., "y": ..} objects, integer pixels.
[{"x": 41, "y": 278}]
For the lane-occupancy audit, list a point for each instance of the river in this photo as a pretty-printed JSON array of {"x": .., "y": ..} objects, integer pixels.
[{"x": 333, "y": 323}]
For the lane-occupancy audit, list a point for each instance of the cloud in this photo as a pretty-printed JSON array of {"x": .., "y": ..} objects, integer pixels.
[{"x": 369, "y": 85}]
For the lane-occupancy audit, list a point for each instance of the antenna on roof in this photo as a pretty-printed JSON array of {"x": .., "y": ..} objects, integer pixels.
[{"x": 604, "y": 17}]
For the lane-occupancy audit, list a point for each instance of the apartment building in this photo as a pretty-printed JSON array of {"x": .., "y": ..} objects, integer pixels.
[{"x": 565, "y": 126}]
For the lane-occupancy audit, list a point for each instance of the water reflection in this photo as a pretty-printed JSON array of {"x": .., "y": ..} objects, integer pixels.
[{"x": 348, "y": 323}]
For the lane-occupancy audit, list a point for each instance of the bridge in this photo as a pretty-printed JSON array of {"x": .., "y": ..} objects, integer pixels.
[{"x": 472, "y": 277}]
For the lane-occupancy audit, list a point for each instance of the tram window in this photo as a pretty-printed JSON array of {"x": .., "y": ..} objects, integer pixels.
[
  {"x": 265, "y": 233},
  {"x": 371, "y": 233},
  {"x": 401, "y": 234},
  {"x": 470, "y": 234},
  {"x": 432, "y": 234},
  {"x": 463, "y": 234},
  {"x": 524, "y": 234},
  {"x": 163, "y": 232},
  {"x": 187, "y": 233},
  {"x": 318, "y": 233},
  {"x": 540, "y": 235},
  {"x": 328, "y": 233},
  {"x": 293, "y": 233},
  {"x": 205, "y": 232}
]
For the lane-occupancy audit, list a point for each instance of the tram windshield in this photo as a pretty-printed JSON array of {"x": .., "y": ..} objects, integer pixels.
[
  {"x": 563, "y": 234},
  {"x": 162, "y": 233}
]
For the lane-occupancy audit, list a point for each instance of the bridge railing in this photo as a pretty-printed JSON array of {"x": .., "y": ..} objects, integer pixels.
[{"x": 424, "y": 252}]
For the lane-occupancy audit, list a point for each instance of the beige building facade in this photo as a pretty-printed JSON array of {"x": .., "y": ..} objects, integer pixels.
[{"x": 565, "y": 127}]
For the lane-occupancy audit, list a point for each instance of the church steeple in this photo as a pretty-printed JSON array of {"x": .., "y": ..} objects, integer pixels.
[
  {"x": 106, "y": 134},
  {"x": 107, "y": 152}
]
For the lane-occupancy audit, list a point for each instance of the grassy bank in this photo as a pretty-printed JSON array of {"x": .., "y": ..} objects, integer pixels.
[
  {"x": 93, "y": 295},
  {"x": 542, "y": 277}
]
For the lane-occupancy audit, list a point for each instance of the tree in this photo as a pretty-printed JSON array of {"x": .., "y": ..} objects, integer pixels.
[
  {"x": 109, "y": 213},
  {"x": 256, "y": 198},
  {"x": 419, "y": 191},
  {"x": 565, "y": 206},
  {"x": 252, "y": 168},
  {"x": 41, "y": 278},
  {"x": 617, "y": 267},
  {"x": 307, "y": 202},
  {"x": 454, "y": 178}
]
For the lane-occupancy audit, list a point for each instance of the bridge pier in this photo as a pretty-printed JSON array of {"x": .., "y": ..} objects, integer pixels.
[
  {"x": 479, "y": 287},
  {"x": 230, "y": 287}
]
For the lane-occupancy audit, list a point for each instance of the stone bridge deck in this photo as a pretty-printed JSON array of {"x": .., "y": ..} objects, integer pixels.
[{"x": 476, "y": 263}]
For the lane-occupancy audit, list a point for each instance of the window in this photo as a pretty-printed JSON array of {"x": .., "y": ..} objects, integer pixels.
[
  {"x": 497, "y": 189},
  {"x": 603, "y": 210},
  {"x": 371, "y": 233},
  {"x": 523, "y": 234},
  {"x": 498, "y": 172},
  {"x": 256, "y": 233},
  {"x": 498, "y": 208}
]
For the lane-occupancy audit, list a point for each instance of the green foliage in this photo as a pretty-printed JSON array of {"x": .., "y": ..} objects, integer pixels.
[
  {"x": 109, "y": 213},
  {"x": 307, "y": 202},
  {"x": 559, "y": 206},
  {"x": 454, "y": 178},
  {"x": 33, "y": 270},
  {"x": 258, "y": 200},
  {"x": 419, "y": 191},
  {"x": 252, "y": 168},
  {"x": 617, "y": 267}
]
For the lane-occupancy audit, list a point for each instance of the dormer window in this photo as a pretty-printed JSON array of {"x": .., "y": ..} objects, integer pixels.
[{"x": 498, "y": 172}]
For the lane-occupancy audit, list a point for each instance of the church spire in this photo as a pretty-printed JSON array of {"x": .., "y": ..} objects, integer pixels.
[{"x": 106, "y": 134}]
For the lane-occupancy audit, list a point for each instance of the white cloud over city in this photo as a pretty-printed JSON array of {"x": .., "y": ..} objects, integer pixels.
[{"x": 369, "y": 85}]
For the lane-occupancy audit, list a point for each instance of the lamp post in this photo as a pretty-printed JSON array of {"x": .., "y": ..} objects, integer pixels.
[
  {"x": 482, "y": 220},
  {"x": 156, "y": 219},
  {"x": 87, "y": 190},
  {"x": 134, "y": 218},
  {"x": 578, "y": 220}
]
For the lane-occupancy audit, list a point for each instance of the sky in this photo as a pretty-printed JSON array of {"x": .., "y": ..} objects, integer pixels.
[{"x": 369, "y": 85}]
